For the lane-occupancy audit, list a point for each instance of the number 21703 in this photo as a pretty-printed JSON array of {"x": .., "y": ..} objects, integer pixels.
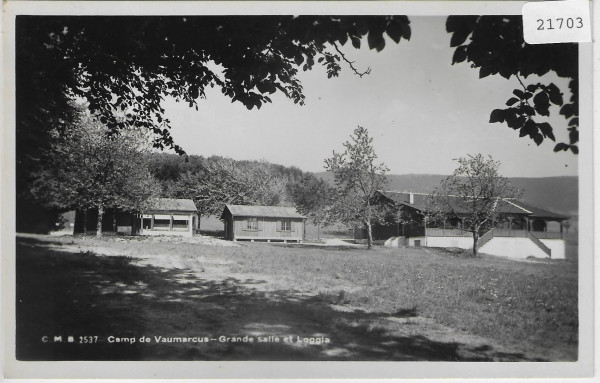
[{"x": 559, "y": 23}]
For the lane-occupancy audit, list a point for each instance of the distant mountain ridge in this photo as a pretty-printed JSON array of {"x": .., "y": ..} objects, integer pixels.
[{"x": 558, "y": 194}]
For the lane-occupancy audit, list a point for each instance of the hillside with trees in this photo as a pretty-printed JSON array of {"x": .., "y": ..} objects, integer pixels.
[
  {"x": 213, "y": 182},
  {"x": 182, "y": 177}
]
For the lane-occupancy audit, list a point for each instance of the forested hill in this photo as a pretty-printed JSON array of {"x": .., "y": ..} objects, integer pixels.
[
  {"x": 559, "y": 194},
  {"x": 168, "y": 167},
  {"x": 215, "y": 181},
  {"x": 259, "y": 182}
]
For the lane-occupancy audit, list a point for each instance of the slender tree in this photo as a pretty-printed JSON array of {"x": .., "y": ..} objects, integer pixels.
[
  {"x": 472, "y": 194},
  {"x": 357, "y": 179}
]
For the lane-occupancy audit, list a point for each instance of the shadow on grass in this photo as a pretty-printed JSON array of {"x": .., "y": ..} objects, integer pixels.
[{"x": 62, "y": 294}]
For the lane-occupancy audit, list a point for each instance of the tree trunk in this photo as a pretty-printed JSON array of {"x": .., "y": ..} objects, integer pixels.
[
  {"x": 85, "y": 221},
  {"x": 369, "y": 235},
  {"x": 115, "y": 221},
  {"x": 475, "y": 240},
  {"x": 99, "y": 223}
]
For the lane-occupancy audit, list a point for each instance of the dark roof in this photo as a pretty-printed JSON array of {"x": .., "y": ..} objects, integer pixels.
[
  {"x": 419, "y": 199},
  {"x": 537, "y": 212},
  {"x": 505, "y": 206},
  {"x": 263, "y": 211},
  {"x": 172, "y": 204}
]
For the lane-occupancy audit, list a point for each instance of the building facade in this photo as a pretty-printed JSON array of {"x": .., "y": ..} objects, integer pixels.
[
  {"x": 263, "y": 223},
  {"x": 521, "y": 231},
  {"x": 169, "y": 216}
]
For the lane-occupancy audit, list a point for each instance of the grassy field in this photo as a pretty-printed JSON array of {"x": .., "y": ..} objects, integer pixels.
[{"x": 382, "y": 304}]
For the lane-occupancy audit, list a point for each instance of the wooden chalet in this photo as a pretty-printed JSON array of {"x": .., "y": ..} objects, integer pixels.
[
  {"x": 263, "y": 223},
  {"x": 520, "y": 231}
]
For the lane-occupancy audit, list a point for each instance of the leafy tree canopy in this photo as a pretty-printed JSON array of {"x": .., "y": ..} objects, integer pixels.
[
  {"x": 88, "y": 170},
  {"x": 312, "y": 197},
  {"x": 214, "y": 181},
  {"x": 226, "y": 182},
  {"x": 125, "y": 66},
  {"x": 495, "y": 45}
]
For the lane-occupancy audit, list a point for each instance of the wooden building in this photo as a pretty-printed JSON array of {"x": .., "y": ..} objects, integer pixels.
[
  {"x": 114, "y": 221},
  {"x": 170, "y": 216},
  {"x": 520, "y": 231},
  {"x": 263, "y": 223},
  {"x": 167, "y": 216}
]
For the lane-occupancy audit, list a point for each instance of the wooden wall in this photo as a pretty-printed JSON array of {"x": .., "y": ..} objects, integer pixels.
[{"x": 268, "y": 228}]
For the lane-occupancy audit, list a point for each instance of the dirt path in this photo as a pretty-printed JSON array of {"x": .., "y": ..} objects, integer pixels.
[{"x": 176, "y": 311}]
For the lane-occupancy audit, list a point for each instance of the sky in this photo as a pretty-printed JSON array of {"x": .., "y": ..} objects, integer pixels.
[{"x": 421, "y": 111}]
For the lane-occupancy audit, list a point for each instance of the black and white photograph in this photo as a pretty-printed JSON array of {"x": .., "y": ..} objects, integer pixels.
[{"x": 276, "y": 185}]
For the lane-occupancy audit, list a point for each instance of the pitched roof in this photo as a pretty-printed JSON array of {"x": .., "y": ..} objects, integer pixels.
[
  {"x": 504, "y": 206},
  {"x": 537, "y": 212},
  {"x": 263, "y": 211},
  {"x": 419, "y": 199},
  {"x": 173, "y": 204}
]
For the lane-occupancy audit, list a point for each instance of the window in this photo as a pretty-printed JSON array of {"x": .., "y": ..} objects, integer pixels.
[
  {"x": 147, "y": 221},
  {"x": 180, "y": 223},
  {"x": 252, "y": 224},
  {"x": 162, "y": 222},
  {"x": 286, "y": 225}
]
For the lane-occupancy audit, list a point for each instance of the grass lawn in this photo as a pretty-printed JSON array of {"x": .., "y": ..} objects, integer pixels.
[{"x": 329, "y": 303}]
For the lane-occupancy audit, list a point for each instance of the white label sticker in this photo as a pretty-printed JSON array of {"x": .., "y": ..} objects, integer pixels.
[{"x": 557, "y": 22}]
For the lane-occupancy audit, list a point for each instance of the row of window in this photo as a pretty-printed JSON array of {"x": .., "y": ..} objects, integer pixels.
[
  {"x": 284, "y": 224},
  {"x": 165, "y": 222}
]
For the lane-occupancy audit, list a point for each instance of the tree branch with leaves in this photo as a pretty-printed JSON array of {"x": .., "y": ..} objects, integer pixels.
[{"x": 495, "y": 46}]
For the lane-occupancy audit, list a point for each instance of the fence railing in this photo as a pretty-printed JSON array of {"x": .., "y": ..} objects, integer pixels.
[
  {"x": 547, "y": 234},
  {"x": 515, "y": 233},
  {"x": 524, "y": 233},
  {"x": 510, "y": 233},
  {"x": 435, "y": 232}
]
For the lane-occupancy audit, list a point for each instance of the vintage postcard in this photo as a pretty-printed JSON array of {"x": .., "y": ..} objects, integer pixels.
[{"x": 297, "y": 190}]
